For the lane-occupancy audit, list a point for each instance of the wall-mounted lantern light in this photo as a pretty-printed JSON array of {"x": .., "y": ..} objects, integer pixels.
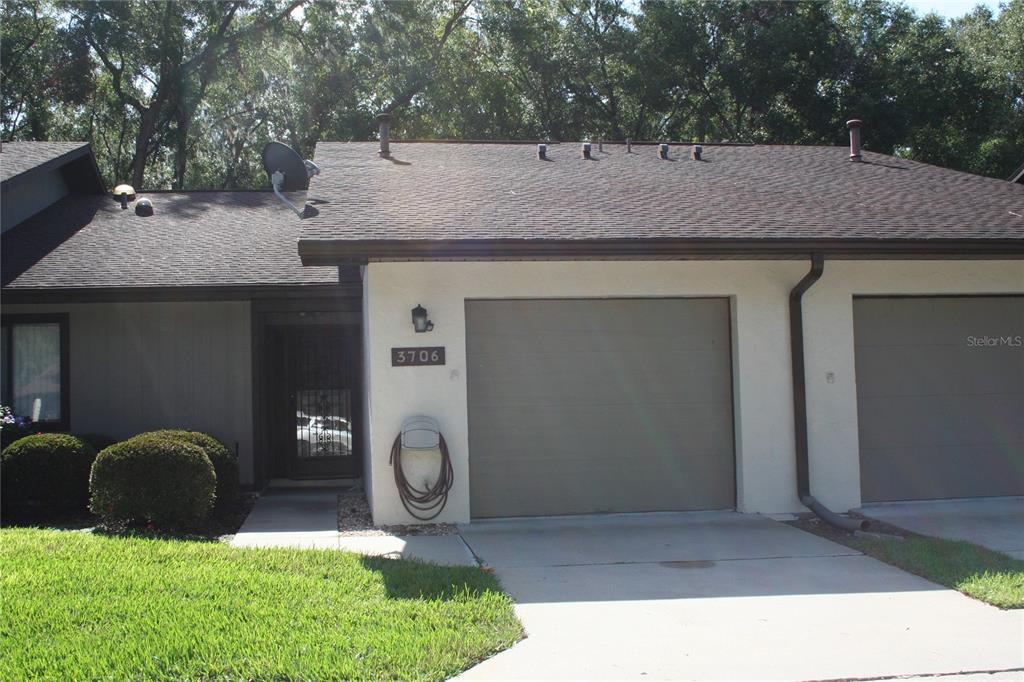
[{"x": 419, "y": 319}]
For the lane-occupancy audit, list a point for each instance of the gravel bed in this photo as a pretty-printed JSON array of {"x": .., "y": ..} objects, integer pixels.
[
  {"x": 355, "y": 520},
  {"x": 877, "y": 529}
]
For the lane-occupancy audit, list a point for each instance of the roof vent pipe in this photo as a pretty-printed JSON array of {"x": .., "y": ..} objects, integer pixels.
[
  {"x": 663, "y": 151},
  {"x": 586, "y": 150},
  {"x": 696, "y": 152},
  {"x": 854, "y": 126},
  {"x": 600, "y": 146},
  {"x": 384, "y": 123},
  {"x": 629, "y": 146},
  {"x": 542, "y": 152}
]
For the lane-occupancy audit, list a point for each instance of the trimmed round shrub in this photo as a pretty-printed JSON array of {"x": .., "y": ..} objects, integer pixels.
[
  {"x": 49, "y": 471},
  {"x": 225, "y": 463},
  {"x": 163, "y": 481}
]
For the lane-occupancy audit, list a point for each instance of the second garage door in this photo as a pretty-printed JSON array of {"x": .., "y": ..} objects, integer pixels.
[
  {"x": 612, "y": 405},
  {"x": 940, "y": 397}
]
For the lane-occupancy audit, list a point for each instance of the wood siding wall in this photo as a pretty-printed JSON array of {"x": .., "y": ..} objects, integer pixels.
[
  {"x": 23, "y": 200},
  {"x": 142, "y": 366}
]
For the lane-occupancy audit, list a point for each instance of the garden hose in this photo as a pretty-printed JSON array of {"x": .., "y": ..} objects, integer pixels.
[{"x": 427, "y": 503}]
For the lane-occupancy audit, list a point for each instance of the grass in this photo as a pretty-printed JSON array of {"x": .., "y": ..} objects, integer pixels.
[
  {"x": 989, "y": 576},
  {"x": 78, "y": 606}
]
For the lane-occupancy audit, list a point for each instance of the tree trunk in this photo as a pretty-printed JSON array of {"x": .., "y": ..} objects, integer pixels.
[
  {"x": 147, "y": 126},
  {"x": 181, "y": 148}
]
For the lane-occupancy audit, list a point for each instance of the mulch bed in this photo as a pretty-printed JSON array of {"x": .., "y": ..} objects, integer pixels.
[
  {"x": 355, "y": 520},
  {"x": 217, "y": 528}
]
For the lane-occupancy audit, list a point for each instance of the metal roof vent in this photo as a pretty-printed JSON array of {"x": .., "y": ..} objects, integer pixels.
[
  {"x": 663, "y": 151},
  {"x": 144, "y": 208},
  {"x": 542, "y": 152},
  {"x": 629, "y": 146},
  {"x": 586, "y": 150},
  {"x": 696, "y": 152},
  {"x": 854, "y": 126},
  {"x": 124, "y": 194},
  {"x": 384, "y": 128}
]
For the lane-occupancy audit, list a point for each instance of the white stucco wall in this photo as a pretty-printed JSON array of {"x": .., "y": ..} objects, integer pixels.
[
  {"x": 828, "y": 332},
  {"x": 758, "y": 291}
]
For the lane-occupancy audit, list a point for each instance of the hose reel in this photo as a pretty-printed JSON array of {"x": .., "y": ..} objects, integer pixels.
[{"x": 422, "y": 433}]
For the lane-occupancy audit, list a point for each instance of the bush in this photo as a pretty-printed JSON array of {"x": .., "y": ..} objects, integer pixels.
[
  {"x": 98, "y": 441},
  {"x": 167, "y": 482},
  {"x": 225, "y": 463},
  {"x": 47, "y": 470}
]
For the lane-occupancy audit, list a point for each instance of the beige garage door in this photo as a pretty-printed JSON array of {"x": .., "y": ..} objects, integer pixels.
[
  {"x": 583, "y": 406},
  {"x": 940, "y": 397}
]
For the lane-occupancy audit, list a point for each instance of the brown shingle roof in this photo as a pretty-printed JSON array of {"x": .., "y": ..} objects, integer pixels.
[
  {"x": 20, "y": 157},
  {"x": 192, "y": 239},
  {"x": 465, "y": 193}
]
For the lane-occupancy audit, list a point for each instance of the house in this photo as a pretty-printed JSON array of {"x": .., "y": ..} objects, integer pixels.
[{"x": 612, "y": 328}]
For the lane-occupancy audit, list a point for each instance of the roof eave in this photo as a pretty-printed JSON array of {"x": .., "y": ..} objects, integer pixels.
[
  {"x": 341, "y": 251},
  {"x": 94, "y": 182},
  {"x": 1018, "y": 175},
  {"x": 150, "y": 294}
]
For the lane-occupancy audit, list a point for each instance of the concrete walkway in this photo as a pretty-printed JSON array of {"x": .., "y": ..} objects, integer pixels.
[
  {"x": 725, "y": 596},
  {"x": 308, "y": 519},
  {"x": 996, "y": 523}
]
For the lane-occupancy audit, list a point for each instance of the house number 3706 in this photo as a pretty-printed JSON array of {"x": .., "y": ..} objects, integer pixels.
[{"x": 411, "y": 357}]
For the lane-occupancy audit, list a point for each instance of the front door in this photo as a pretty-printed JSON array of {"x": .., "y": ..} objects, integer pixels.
[{"x": 319, "y": 385}]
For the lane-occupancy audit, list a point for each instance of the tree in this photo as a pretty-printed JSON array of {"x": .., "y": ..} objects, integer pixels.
[
  {"x": 185, "y": 94},
  {"x": 160, "y": 58},
  {"x": 39, "y": 64}
]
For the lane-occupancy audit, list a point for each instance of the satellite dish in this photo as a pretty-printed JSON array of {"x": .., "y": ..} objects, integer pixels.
[{"x": 288, "y": 172}]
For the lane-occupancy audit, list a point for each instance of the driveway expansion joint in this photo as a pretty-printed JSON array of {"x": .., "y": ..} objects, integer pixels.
[
  {"x": 917, "y": 676},
  {"x": 705, "y": 562}
]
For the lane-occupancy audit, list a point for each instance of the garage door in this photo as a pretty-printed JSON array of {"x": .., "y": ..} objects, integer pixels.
[
  {"x": 584, "y": 406},
  {"x": 940, "y": 397}
]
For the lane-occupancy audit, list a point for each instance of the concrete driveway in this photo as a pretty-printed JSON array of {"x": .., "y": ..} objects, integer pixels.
[
  {"x": 724, "y": 596},
  {"x": 996, "y": 523}
]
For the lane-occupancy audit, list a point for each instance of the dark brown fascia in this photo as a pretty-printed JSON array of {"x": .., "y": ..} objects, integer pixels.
[
  {"x": 337, "y": 252},
  {"x": 14, "y": 296}
]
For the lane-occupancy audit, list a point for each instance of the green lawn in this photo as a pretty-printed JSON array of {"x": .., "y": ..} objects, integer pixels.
[
  {"x": 77, "y": 606},
  {"x": 992, "y": 577}
]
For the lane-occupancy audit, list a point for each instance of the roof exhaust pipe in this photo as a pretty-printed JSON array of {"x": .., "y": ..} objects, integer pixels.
[
  {"x": 384, "y": 128},
  {"x": 796, "y": 340},
  {"x": 854, "y": 126},
  {"x": 586, "y": 150}
]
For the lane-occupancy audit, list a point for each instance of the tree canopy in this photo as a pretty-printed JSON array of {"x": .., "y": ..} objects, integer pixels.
[{"x": 185, "y": 94}]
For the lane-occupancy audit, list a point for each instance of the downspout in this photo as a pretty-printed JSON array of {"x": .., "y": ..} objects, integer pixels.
[{"x": 796, "y": 340}]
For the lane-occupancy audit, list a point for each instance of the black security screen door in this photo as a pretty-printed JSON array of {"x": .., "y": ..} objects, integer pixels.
[{"x": 318, "y": 380}]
